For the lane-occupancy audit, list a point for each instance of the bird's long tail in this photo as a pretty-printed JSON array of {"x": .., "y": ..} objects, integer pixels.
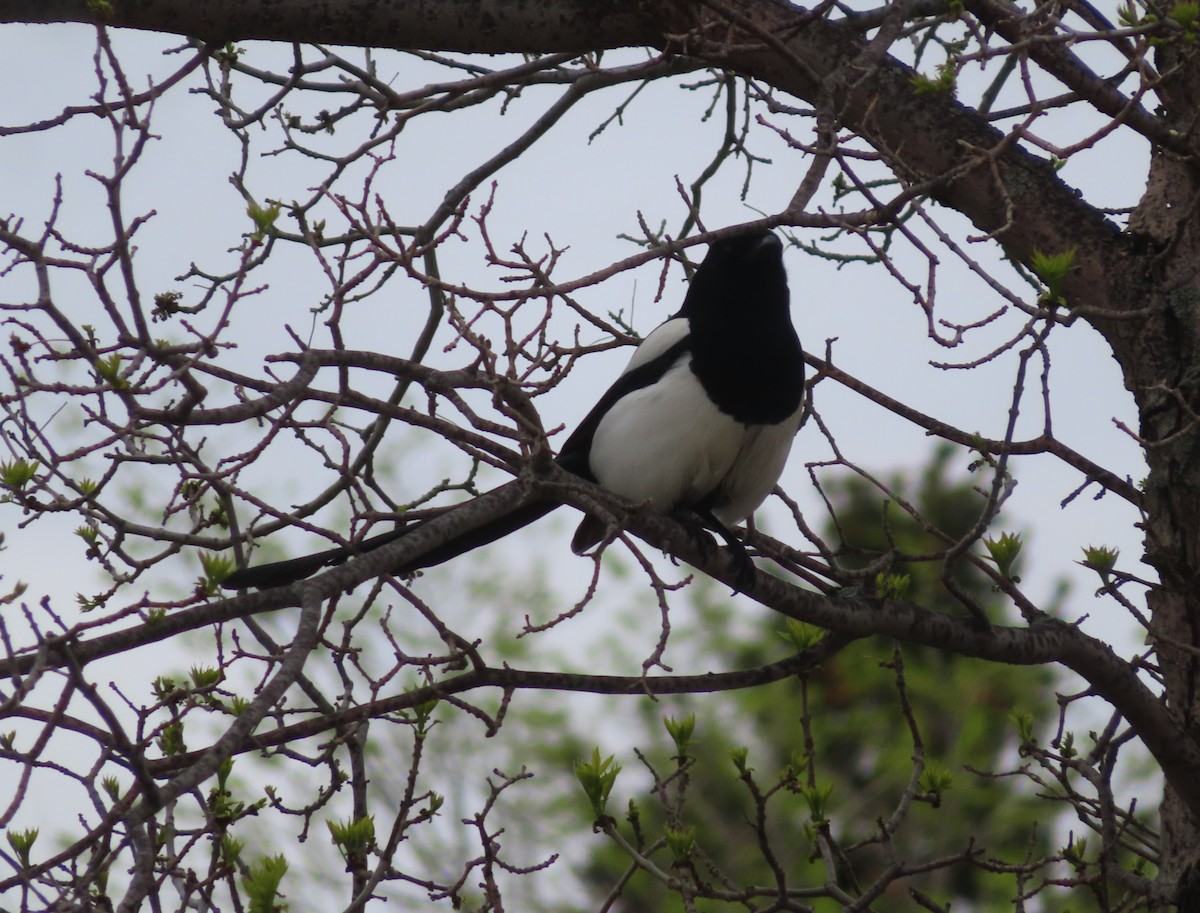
[{"x": 282, "y": 573}]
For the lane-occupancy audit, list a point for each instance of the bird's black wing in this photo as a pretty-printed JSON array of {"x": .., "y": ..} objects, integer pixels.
[{"x": 575, "y": 450}]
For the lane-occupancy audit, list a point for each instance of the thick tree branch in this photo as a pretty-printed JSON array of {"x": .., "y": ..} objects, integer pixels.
[
  {"x": 1002, "y": 189},
  {"x": 1047, "y": 641}
]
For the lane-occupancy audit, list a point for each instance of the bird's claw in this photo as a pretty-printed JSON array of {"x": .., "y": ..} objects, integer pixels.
[{"x": 744, "y": 572}]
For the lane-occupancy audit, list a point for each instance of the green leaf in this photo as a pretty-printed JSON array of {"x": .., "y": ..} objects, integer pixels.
[
  {"x": 231, "y": 848},
  {"x": 22, "y": 842},
  {"x": 681, "y": 843},
  {"x": 934, "y": 781},
  {"x": 263, "y": 219},
  {"x": 18, "y": 473},
  {"x": 1075, "y": 852},
  {"x": 170, "y": 740},
  {"x": 109, "y": 371},
  {"x": 352, "y": 836},
  {"x": 1100, "y": 558},
  {"x": 1186, "y": 14},
  {"x": 261, "y": 882},
  {"x": 892, "y": 586},
  {"x": 205, "y": 676},
  {"x": 215, "y": 568},
  {"x": 166, "y": 304},
  {"x": 681, "y": 732},
  {"x": 817, "y": 798},
  {"x": 801, "y": 635},
  {"x": 420, "y": 715},
  {"x": 1005, "y": 551},
  {"x": 1127, "y": 15},
  {"x": 101, "y": 9},
  {"x": 1053, "y": 270},
  {"x": 228, "y": 55},
  {"x": 941, "y": 84},
  {"x": 1023, "y": 720},
  {"x": 739, "y": 757},
  {"x": 597, "y": 777}
]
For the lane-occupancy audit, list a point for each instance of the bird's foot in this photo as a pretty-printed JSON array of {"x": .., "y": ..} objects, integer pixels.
[
  {"x": 700, "y": 530},
  {"x": 744, "y": 572},
  {"x": 698, "y": 534}
]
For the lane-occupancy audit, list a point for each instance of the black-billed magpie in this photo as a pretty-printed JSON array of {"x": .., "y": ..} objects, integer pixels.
[{"x": 700, "y": 422}]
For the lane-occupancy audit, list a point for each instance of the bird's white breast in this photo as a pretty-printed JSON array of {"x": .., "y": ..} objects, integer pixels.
[
  {"x": 665, "y": 443},
  {"x": 756, "y": 469}
]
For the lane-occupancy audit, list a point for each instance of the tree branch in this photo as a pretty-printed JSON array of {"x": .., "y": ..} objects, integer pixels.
[{"x": 1004, "y": 190}]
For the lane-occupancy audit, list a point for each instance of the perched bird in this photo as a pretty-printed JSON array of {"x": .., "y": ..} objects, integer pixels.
[{"x": 700, "y": 422}]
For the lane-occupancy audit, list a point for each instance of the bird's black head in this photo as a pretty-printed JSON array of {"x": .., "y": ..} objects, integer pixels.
[
  {"x": 759, "y": 246},
  {"x": 744, "y": 347},
  {"x": 744, "y": 272}
]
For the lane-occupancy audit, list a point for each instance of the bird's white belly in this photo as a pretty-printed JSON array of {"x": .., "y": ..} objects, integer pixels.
[
  {"x": 756, "y": 469},
  {"x": 666, "y": 443}
]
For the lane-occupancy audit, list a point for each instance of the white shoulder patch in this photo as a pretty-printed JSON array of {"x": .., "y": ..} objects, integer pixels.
[{"x": 662, "y": 338}]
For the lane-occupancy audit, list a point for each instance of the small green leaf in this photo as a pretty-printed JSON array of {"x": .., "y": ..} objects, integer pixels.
[
  {"x": 801, "y": 635},
  {"x": 1053, "y": 270},
  {"x": 231, "y": 848},
  {"x": 87, "y": 603},
  {"x": 18, "y": 473},
  {"x": 420, "y": 715},
  {"x": 222, "y": 807},
  {"x": 681, "y": 732},
  {"x": 1005, "y": 551},
  {"x": 166, "y": 689},
  {"x": 205, "y": 676},
  {"x": 1023, "y": 720},
  {"x": 108, "y": 370},
  {"x": 1067, "y": 749},
  {"x": 1100, "y": 558},
  {"x": 22, "y": 842},
  {"x": 352, "y": 837},
  {"x": 1127, "y": 15},
  {"x": 892, "y": 586},
  {"x": 228, "y": 55},
  {"x": 681, "y": 843},
  {"x": 1186, "y": 13},
  {"x": 170, "y": 740},
  {"x": 817, "y": 798},
  {"x": 263, "y": 219},
  {"x": 941, "y": 84},
  {"x": 934, "y": 781},
  {"x": 597, "y": 777},
  {"x": 215, "y": 568},
  {"x": 261, "y": 881},
  {"x": 1075, "y": 852},
  {"x": 739, "y": 757},
  {"x": 166, "y": 304}
]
